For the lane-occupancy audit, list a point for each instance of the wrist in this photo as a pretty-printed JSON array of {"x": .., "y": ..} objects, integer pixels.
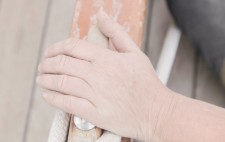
[{"x": 160, "y": 111}]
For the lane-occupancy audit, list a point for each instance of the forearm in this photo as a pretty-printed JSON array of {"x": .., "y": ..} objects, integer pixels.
[{"x": 192, "y": 121}]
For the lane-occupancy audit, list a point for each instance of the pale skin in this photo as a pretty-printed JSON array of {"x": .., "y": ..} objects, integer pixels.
[{"x": 119, "y": 91}]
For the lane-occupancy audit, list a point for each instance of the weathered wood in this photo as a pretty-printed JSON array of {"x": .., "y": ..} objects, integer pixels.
[
  {"x": 128, "y": 13},
  {"x": 209, "y": 88},
  {"x": 57, "y": 28},
  {"x": 21, "y": 29}
]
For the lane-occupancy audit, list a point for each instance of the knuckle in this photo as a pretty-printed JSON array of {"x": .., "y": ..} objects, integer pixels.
[{"x": 61, "y": 82}]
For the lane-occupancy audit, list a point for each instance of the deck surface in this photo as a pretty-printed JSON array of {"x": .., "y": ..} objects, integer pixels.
[{"x": 27, "y": 27}]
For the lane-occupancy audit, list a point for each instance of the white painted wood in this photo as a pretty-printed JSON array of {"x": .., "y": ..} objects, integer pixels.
[{"x": 168, "y": 53}]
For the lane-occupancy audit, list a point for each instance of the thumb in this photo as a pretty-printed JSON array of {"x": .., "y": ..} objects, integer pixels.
[{"x": 115, "y": 32}]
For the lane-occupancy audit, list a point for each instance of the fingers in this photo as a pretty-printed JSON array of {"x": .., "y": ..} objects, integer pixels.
[
  {"x": 66, "y": 85},
  {"x": 71, "y": 104},
  {"x": 115, "y": 33},
  {"x": 80, "y": 49},
  {"x": 62, "y": 64}
]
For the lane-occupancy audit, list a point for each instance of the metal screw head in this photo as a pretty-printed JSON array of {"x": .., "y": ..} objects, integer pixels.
[{"x": 83, "y": 124}]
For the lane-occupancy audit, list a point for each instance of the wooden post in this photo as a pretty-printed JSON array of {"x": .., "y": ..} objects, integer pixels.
[{"x": 130, "y": 14}]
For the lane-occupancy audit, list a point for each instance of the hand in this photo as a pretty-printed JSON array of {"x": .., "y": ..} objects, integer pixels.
[{"x": 115, "y": 90}]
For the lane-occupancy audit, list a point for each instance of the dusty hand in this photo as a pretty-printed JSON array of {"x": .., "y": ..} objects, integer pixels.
[{"x": 115, "y": 90}]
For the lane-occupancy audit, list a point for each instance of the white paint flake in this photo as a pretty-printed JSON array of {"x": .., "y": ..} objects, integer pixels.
[
  {"x": 77, "y": 14},
  {"x": 116, "y": 9}
]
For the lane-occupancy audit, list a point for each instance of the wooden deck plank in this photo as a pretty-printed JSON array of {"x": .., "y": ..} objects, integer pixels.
[
  {"x": 208, "y": 87},
  {"x": 21, "y": 28},
  {"x": 58, "y": 28},
  {"x": 182, "y": 75}
]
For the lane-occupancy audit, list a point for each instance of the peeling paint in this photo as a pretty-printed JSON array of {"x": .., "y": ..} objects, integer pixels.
[
  {"x": 76, "y": 17},
  {"x": 99, "y": 4},
  {"x": 132, "y": 22},
  {"x": 116, "y": 9}
]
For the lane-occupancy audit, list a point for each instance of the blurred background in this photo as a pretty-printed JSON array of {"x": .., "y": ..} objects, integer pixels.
[{"x": 27, "y": 27}]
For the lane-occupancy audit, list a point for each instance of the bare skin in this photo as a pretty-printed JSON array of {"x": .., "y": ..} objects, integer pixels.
[{"x": 119, "y": 91}]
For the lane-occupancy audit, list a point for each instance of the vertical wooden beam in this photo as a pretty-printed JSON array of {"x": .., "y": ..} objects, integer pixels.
[{"x": 130, "y": 14}]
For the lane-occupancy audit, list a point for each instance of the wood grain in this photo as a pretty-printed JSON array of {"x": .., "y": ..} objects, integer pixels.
[
  {"x": 58, "y": 27},
  {"x": 21, "y": 30}
]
